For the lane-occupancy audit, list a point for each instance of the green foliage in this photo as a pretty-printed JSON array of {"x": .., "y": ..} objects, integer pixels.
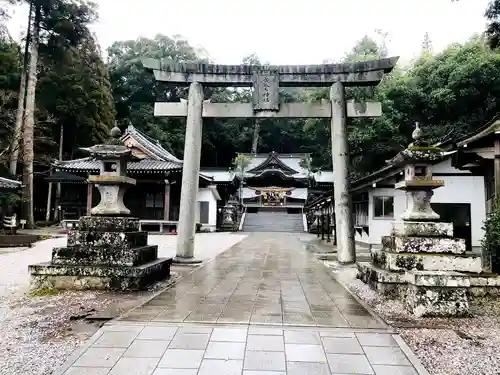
[
  {"x": 491, "y": 240},
  {"x": 493, "y": 28},
  {"x": 43, "y": 292},
  {"x": 450, "y": 93},
  {"x": 135, "y": 90},
  {"x": 8, "y": 200},
  {"x": 75, "y": 92},
  {"x": 241, "y": 163}
]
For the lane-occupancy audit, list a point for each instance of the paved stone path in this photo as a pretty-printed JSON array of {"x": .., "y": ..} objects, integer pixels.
[
  {"x": 264, "y": 307},
  {"x": 14, "y": 276}
]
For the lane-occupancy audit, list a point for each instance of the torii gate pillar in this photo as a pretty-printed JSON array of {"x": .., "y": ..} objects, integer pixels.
[
  {"x": 344, "y": 227},
  {"x": 190, "y": 177}
]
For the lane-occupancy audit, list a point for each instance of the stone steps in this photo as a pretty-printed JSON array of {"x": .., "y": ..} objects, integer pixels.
[{"x": 268, "y": 221}]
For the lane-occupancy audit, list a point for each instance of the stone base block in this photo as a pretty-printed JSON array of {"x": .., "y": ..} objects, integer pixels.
[
  {"x": 186, "y": 261},
  {"x": 389, "y": 284},
  {"x": 438, "y": 279},
  {"x": 437, "y": 301},
  {"x": 104, "y": 255},
  {"x": 108, "y": 224},
  {"x": 421, "y": 229},
  {"x": 109, "y": 239},
  {"x": 83, "y": 277},
  {"x": 426, "y": 262},
  {"x": 435, "y": 245}
]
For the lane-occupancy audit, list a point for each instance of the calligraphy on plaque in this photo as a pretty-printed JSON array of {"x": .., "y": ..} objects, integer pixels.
[{"x": 266, "y": 91}]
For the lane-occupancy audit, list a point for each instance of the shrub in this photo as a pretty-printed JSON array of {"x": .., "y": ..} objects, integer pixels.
[{"x": 491, "y": 240}]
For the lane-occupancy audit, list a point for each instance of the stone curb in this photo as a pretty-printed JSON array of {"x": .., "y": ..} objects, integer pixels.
[
  {"x": 78, "y": 352},
  {"x": 359, "y": 300},
  {"x": 410, "y": 355}
]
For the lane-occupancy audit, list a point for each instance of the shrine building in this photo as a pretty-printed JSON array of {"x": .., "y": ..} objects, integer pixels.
[{"x": 271, "y": 180}]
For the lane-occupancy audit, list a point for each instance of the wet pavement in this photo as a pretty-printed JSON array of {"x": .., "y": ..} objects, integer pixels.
[
  {"x": 265, "y": 279},
  {"x": 266, "y": 306}
]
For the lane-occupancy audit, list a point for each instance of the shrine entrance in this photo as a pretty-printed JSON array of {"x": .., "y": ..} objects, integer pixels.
[{"x": 266, "y": 82}]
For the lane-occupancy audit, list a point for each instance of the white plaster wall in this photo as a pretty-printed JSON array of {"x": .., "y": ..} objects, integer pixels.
[
  {"x": 382, "y": 226},
  {"x": 464, "y": 188},
  {"x": 207, "y": 195}
]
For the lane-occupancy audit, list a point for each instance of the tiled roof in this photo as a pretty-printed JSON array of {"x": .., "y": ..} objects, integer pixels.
[
  {"x": 6, "y": 183},
  {"x": 218, "y": 175},
  {"x": 292, "y": 161},
  {"x": 152, "y": 145},
  {"x": 63, "y": 176},
  {"x": 87, "y": 164}
]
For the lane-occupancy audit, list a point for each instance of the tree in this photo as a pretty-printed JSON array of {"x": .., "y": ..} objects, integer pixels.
[
  {"x": 135, "y": 90},
  {"x": 427, "y": 44},
  {"x": 29, "y": 119},
  {"x": 492, "y": 14},
  {"x": 241, "y": 163},
  {"x": 55, "y": 24},
  {"x": 17, "y": 132}
]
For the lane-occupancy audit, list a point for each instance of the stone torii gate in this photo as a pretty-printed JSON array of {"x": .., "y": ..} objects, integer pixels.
[{"x": 266, "y": 81}]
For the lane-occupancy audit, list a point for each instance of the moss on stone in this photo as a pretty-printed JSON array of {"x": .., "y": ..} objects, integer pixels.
[
  {"x": 425, "y": 148},
  {"x": 43, "y": 292}
]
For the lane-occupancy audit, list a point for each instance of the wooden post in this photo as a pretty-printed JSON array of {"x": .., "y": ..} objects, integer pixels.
[
  {"x": 166, "y": 204},
  {"x": 328, "y": 230},
  {"x": 89, "y": 198},
  {"x": 322, "y": 226},
  {"x": 497, "y": 168},
  {"x": 318, "y": 222},
  {"x": 49, "y": 202}
]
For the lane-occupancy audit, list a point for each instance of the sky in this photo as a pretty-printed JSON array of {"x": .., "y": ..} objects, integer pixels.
[{"x": 285, "y": 31}]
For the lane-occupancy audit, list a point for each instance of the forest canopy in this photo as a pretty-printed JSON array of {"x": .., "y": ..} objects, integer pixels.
[{"x": 78, "y": 96}]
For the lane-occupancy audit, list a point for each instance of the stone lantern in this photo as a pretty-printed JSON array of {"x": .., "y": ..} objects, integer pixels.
[
  {"x": 418, "y": 182},
  {"x": 112, "y": 180},
  {"x": 230, "y": 215},
  {"x": 107, "y": 251},
  {"x": 420, "y": 262}
]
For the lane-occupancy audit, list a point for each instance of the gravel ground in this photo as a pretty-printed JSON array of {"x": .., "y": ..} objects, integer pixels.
[
  {"x": 445, "y": 346},
  {"x": 38, "y": 333}
]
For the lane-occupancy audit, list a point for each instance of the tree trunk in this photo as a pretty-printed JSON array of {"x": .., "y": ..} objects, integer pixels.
[
  {"x": 58, "y": 188},
  {"x": 255, "y": 141},
  {"x": 29, "y": 123},
  {"x": 16, "y": 136}
]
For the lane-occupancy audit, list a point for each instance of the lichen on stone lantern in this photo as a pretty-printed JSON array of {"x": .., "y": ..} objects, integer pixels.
[
  {"x": 112, "y": 180},
  {"x": 418, "y": 183}
]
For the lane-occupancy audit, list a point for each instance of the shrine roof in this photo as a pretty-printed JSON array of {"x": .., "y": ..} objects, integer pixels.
[
  {"x": 219, "y": 175},
  {"x": 7, "y": 183},
  {"x": 150, "y": 144},
  {"x": 89, "y": 164},
  {"x": 63, "y": 176},
  {"x": 289, "y": 163}
]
